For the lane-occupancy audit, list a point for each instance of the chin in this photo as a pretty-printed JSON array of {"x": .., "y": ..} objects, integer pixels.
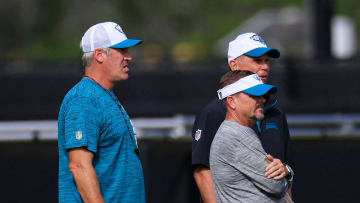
[
  {"x": 259, "y": 116},
  {"x": 123, "y": 77}
]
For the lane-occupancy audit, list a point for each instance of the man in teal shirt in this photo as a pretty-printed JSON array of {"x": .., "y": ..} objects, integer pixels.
[{"x": 98, "y": 154}]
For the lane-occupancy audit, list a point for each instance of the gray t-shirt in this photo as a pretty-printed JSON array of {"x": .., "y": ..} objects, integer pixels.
[{"x": 237, "y": 162}]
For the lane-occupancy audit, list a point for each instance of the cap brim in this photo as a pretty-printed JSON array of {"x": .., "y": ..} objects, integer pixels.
[
  {"x": 273, "y": 53},
  {"x": 260, "y": 90},
  {"x": 127, "y": 43}
]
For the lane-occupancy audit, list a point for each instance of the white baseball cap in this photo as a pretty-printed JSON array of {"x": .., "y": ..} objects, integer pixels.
[
  {"x": 250, "y": 44},
  {"x": 106, "y": 35},
  {"x": 251, "y": 85}
]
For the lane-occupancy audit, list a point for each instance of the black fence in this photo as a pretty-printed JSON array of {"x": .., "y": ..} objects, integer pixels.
[
  {"x": 304, "y": 87},
  {"x": 326, "y": 171}
]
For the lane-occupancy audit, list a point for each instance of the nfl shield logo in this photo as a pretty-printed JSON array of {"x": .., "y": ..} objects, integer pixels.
[
  {"x": 78, "y": 135},
  {"x": 197, "y": 135}
]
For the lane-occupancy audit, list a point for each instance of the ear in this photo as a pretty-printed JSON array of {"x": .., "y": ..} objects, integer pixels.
[
  {"x": 99, "y": 55},
  {"x": 230, "y": 100},
  {"x": 232, "y": 65}
]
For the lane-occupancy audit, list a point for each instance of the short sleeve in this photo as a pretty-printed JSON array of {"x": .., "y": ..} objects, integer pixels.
[
  {"x": 204, "y": 130},
  {"x": 81, "y": 124}
]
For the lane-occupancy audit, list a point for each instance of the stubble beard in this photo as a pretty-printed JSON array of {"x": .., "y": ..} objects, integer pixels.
[{"x": 259, "y": 114}]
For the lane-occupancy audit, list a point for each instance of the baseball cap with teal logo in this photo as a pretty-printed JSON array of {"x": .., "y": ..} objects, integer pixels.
[
  {"x": 106, "y": 35},
  {"x": 250, "y": 44}
]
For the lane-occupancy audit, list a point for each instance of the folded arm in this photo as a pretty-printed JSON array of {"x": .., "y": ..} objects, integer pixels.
[{"x": 254, "y": 166}]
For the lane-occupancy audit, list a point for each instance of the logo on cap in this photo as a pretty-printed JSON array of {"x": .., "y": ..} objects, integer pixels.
[
  {"x": 258, "y": 38},
  {"x": 118, "y": 28},
  {"x": 256, "y": 77}
]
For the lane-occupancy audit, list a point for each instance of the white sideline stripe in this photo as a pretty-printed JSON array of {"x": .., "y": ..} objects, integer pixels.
[{"x": 300, "y": 126}]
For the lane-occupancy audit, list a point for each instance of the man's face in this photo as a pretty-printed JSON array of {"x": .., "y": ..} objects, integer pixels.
[
  {"x": 258, "y": 65},
  {"x": 250, "y": 108},
  {"x": 116, "y": 64}
]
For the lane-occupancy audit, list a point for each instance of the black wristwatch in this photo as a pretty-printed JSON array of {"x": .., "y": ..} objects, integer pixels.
[{"x": 289, "y": 175}]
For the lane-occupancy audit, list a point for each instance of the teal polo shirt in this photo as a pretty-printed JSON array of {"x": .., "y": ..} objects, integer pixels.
[{"x": 92, "y": 117}]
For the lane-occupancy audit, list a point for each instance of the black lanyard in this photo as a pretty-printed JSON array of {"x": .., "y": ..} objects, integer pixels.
[{"x": 132, "y": 137}]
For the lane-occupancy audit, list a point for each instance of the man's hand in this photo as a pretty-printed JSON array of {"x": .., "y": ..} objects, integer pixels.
[{"x": 276, "y": 169}]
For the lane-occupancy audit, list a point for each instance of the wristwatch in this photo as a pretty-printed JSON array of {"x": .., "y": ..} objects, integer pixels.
[{"x": 289, "y": 175}]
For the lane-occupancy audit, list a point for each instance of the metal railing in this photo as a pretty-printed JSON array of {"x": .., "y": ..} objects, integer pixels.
[{"x": 179, "y": 126}]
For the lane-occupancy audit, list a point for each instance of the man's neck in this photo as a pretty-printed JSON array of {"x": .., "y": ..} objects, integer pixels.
[
  {"x": 98, "y": 78},
  {"x": 239, "y": 119}
]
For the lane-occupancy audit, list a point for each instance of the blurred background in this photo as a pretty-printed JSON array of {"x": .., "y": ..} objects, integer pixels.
[{"x": 175, "y": 73}]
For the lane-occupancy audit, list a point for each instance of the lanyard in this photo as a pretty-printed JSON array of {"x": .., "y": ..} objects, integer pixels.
[{"x": 122, "y": 110}]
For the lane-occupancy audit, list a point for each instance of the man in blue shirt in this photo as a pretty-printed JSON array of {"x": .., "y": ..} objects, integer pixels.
[{"x": 98, "y": 154}]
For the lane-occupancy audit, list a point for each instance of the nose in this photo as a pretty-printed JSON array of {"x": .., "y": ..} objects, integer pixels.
[
  {"x": 127, "y": 55},
  {"x": 265, "y": 66},
  {"x": 263, "y": 71}
]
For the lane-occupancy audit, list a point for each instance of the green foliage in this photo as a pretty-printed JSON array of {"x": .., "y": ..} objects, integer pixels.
[
  {"x": 349, "y": 8},
  {"x": 38, "y": 33},
  {"x": 51, "y": 49}
]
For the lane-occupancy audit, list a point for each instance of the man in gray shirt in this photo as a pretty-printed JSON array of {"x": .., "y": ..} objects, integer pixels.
[{"x": 237, "y": 159}]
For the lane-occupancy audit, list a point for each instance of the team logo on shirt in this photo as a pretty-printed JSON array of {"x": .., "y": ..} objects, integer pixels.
[
  {"x": 271, "y": 126},
  {"x": 78, "y": 135},
  {"x": 197, "y": 135}
]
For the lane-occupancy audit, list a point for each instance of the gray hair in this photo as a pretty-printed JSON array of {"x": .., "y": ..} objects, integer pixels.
[{"x": 88, "y": 56}]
